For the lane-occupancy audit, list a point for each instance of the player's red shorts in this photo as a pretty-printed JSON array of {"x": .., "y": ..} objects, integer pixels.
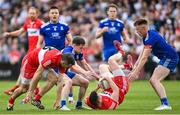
[
  {"x": 123, "y": 84},
  {"x": 29, "y": 64}
]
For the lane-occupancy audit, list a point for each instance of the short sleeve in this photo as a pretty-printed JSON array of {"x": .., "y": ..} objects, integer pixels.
[
  {"x": 122, "y": 27},
  {"x": 100, "y": 25},
  {"x": 67, "y": 29},
  {"x": 149, "y": 42},
  {"x": 24, "y": 26},
  {"x": 45, "y": 63},
  {"x": 41, "y": 31}
]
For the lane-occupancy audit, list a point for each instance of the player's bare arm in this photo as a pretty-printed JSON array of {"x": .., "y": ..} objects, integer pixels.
[
  {"x": 125, "y": 35},
  {"x": 100, "y": 31},
  {"x": 114, "y": 87},
  {"x": 142, "y": 61},
  {"x": 14, "y": 33},
  {"x": 89, "y": 68},
  {"x": 35, "y": 79},
  {"x": 40, "y": 41},
  {"x": 69, "y": 38}
]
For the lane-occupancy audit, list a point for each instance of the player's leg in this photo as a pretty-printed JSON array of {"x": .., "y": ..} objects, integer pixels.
[
  {"x": 11, "y": 90},
  {"x": 70, "y": 97},
  {"x": 65, "y": 92},
  {"x": 159, "y": 74},
  {"x": 24, "y": 85},
  {"x": 79, "y": 80},
  {"x": 51, "y": 80},
  {"x": 104, "y": 70}
]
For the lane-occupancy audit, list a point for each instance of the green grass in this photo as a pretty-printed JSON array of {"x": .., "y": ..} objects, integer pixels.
[{"x": 141, "y": 99}]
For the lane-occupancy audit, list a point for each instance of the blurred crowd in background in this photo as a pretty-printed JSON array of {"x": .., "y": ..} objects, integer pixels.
[{"x": 83, "y": 17}]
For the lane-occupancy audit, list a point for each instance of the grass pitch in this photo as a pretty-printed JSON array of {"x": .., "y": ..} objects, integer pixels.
[{"x": 141, "y": 99}]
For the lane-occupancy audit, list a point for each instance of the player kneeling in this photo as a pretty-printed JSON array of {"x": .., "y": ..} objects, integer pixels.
[{"x": 118, "y": 82}]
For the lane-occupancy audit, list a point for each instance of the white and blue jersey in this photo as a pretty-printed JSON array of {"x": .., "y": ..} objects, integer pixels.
[
  {"x": 54, "y": 34},
  {"x": 77, "y": 57},
  {"x": 115, "y": 28},
  {"x": 160, "y": 48}
]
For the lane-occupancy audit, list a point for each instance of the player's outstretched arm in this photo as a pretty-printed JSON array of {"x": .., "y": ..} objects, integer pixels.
[
  {"x": 114, "y": 87},
  {"x": 135, "y": 72},
  {"x": 35, "y": 80},
  {"x": 14, "y": 33}
]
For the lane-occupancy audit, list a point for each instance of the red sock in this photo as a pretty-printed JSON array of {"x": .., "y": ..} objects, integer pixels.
[
  {"x": 127, "y": 66},
  {"x": 11, "y": 101},
  {"x": 36, "y": 91},
  {"x": 37, "y": 97},
  {"x": 14, "y": 87}
]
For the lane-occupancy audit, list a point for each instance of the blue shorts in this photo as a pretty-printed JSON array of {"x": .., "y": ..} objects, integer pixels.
[
  {"x": 169, "y": 63},
  {"x": 108, "y": 53},
  {"x": 70, "y": 74}
]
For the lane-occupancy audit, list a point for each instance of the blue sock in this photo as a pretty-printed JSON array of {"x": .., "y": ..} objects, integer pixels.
[
  {"x": 164, "y": 101},
  {"x": 70, "y": 95},
  {"x": 78, "y": 104},
  {"x": 63, "y": 102}
]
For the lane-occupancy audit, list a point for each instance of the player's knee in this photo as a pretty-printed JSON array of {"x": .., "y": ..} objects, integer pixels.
[
  {"x": 85, "y": 83},
  {"x": 68, "y": 82},
  {"x": 53, "y": 80},
  {"x": 102, "y": 66},
  {"x": 24, "y": 90},
  {"x": 153, "y": 80},
  {"x": 110, "y": 60}
]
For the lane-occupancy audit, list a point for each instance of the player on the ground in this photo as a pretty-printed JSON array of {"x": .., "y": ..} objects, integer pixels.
[
  {"x": 34, "y": 65},
  {"x": 118, "y": 82},
  {"x": 31, "y": 26},
  {"x": 111, "y": 28},
  {"x": 155, "y": 43},
  {"x": 80, "y": 74}
]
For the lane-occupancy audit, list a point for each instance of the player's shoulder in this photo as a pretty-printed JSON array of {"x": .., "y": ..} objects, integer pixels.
[
  {"x": 45, "y": 24},
  {"x": 104, "y": 20},
  {"x": 39, "y": 21},
  {"x": 119, "y": 21},
  {"x": 63, "y": 23},
  {"x": 67, "y": 49}
]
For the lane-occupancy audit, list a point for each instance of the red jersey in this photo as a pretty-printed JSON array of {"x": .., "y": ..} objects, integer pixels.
[
  {"x": 32, "y": 28},
  {"x": 107, "y": 101},
  {"x": 47, "y": 58}
]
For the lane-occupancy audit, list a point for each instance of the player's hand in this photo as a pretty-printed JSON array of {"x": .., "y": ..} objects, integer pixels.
[
  {"x": 25, "y": 100},
  {"x": 105, "y": 29},
  {"x": 6, "y": 34},
  {"x": 133, "y": 75},
  {"x": 89, "y": 73}
]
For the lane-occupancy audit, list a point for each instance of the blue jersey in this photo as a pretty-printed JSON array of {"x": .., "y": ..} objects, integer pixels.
[
  {"x": 114, "y": 32},
  {"x": 70, "y": 49},
  {"x": 160, "y": 47},
  {"x": 54, "y": 34}
]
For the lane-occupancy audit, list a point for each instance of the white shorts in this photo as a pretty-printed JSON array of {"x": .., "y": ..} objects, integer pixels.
[{"x": 25, "y": 81}]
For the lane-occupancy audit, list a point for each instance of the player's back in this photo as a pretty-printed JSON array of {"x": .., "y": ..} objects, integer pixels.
[
  {"x": 160, "y": 47},
  {"x": 107, "y": 102},
  {"x": 54, "y": 34}
]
